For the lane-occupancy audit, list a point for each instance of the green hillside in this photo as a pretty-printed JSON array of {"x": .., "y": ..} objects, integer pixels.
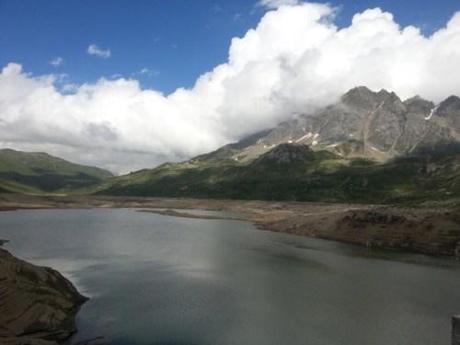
[
  {"x": 36, "y": 173},
  {"x": 294, "y": 172}
]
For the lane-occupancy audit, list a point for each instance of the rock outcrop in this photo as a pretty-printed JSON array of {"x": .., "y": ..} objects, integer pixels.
[
  {"x": 37, "y": 304},
  {"x": 434, "y": 232},
  {"x": 377, "y": 125},
  {"x": 287, "y": 153}
]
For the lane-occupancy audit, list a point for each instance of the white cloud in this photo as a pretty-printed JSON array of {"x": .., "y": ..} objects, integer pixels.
[
  {"x": 99, "y": 52},
  {"x": 148, "y": 72},
  {"x": 57, "y": 61},
  {"x": 273, "y": 4},
  {"x": 294, "y": 60}
]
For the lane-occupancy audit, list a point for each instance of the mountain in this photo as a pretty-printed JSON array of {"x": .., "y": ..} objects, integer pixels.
[
  {"x": 287, "y": 173},
  {"x": 25, "y": 172},
  {"x": 368, "y": 147},
  {"x": 363, "y": 123}
]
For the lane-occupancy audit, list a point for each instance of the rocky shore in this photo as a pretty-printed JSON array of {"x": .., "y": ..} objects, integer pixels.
[
  {"x": 432, "y": 229},
  {"x": 433, "y": 232},
  {"x": 37, "y": 304}
]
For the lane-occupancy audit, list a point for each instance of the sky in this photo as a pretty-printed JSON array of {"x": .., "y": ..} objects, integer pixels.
[{"x": 130, "y": 84}]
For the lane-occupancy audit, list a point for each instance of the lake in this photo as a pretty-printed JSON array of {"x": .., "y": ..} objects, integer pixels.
[{"x": 156, "y": 279}]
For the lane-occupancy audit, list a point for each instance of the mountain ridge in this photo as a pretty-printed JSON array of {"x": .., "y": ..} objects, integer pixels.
[
  {"x": 386, "y": 126},
  {"x": 345, "y": 151},
  {"x": 380, "y": 123},
  {"x": 40, "y": 172},
  {"x": 367, "y": 147}
]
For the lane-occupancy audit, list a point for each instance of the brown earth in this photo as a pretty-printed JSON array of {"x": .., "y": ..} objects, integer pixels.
[{"x": 37, "y": 304}]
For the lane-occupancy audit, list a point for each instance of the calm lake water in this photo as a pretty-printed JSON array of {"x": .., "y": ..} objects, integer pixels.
[{"x": 163, "y": 280}]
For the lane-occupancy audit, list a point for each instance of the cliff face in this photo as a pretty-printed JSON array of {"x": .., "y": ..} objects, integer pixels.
[{"x": 37, "y": 304}]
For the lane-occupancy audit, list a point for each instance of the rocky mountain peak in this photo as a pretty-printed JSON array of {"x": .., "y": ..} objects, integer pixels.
[
  {"x": 364, "y": 123},
  {"x": 386, "y": 94},
  {"x": 414, "y": 99},
  {"x": 450, "y": 110},
  {"x": 363, "y": 97},
  {"x": 449, "y": 105},
  {"x": 418, "y": 104},
  {"x": 360, "y": 95}
]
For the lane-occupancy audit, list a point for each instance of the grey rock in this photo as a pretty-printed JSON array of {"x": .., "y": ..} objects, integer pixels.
[
  {"x": 363, "y": 123},
  {"x": 37, "y": 304}
]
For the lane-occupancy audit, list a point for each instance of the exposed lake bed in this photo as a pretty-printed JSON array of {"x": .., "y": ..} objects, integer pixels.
[
  {"x": 163, "y": 279},
  {"x": 431, "y": 228}
]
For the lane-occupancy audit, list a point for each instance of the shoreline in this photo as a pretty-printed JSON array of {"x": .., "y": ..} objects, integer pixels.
[
  {"x": 41, "y": 306},
  {"x": 432, "y": 230},
  {"x": 174, "y": 213}
]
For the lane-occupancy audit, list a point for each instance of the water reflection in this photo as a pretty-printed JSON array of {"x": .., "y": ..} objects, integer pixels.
[{"x": 162, "y": 280}]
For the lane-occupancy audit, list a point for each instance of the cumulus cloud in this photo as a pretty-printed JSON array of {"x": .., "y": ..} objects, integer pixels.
[
  {"x": 57, "y": 61},
  {"x": 296, "y": 59},
  {"x": 99, "y": 52}
]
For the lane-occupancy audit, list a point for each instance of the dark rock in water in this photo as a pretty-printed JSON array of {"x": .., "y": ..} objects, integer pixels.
[
  {"x": 37, "y": 304},
  {"x": 456, "y": 330}
]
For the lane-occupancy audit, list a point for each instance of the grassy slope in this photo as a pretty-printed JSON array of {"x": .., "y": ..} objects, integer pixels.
[
  {"x": 323, "y": 178},
  {"x": 35, "y": 173}
]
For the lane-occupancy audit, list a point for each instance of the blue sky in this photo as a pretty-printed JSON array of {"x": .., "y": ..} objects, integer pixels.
[
  {"x": 176, "y": 40},
  {"x": 294, "y": 61}
]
